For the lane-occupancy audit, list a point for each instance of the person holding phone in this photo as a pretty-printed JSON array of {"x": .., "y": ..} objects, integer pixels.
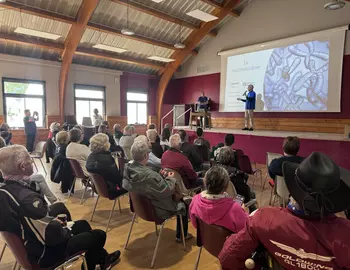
[
  {"x": 214, "y": 206},
  {"x": 30, "y": 128}
]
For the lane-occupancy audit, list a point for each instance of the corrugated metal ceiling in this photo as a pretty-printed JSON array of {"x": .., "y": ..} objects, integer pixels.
[{"x": 108, "y": 13}]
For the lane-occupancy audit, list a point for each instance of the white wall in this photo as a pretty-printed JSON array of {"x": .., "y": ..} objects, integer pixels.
[
  {"x": 262, "y": 21},
  {"x": 48, "y": 71}
]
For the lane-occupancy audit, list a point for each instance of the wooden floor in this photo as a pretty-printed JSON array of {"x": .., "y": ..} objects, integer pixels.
[{"x": 143, "y": 238}]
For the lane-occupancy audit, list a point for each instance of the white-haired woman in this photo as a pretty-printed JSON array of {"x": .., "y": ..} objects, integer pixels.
[
  {"x": 154, "y": 139},
  {"x": 101, "y": 162},
  {"x": 51, "y": 141},
  {"x": 127, "y": 140},
  {"x": 25, "y": 213}
]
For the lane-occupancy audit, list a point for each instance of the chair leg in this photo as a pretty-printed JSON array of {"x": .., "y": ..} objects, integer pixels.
[
  {"x": 84, "y": 263},
  {"x": 198, "y": 258},
  {"x": 82, "y": 197},
  {"x": 157, "y": 245},
  {"x": 2, "y": 252},
  {"x": 156, "y": 229},
  {"x": 120, "y": 209},
  {"x": 110, "y": 215},
  {"x": 36, "y": 167},
  {"x": 14, "y": 267},
  {"x": 71, "y": 188},
  {"x": 42, "y": 164},
  {"x": 182, "y": 232},
  {"x": 94, "y": 209},
  {"x": 132, "y": 224}
]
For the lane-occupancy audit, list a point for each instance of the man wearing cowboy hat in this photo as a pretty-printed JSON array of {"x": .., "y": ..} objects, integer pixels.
[{"x": 307, "y": 234}]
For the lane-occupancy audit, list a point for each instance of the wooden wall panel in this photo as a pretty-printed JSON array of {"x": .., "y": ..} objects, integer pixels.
[
  {"x": 121, "y": 120},
  {"x": 152, "y": 119},
  {"x": 286, "y": 124},
  {"x": 18, "y": 136},
  {"x": 53, "y": 118}
]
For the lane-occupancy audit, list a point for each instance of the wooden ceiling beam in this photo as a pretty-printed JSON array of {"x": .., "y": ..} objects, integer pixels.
[
  {"x": 22, "y": 40},
  {"x": 62, "y": 18},
  {"x": 71, "y": 43},
  {"x": 192, "y": 42},
  {"x": 118, "y": 58},
  {"x": 218, "y": 5},
  {"x": 113, "y": 31},
  {"x": 48, "y": 45},
  {"x": 160, "y": 15},
  {"x": 37, "y": 12}
]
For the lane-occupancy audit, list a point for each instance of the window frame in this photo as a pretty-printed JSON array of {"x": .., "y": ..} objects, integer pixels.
[
  {"x": 136, "y": 91},
  {"x": 18, "y": 80},
  {"x": 89, "y": 87}
]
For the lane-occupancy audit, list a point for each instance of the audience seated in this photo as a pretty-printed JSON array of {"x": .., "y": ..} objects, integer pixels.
[
  {"x": 151, "y": 126},
  {"x": 126, "y": 141},
  {"x": 133, "y": 131},
  {"x": 51, "y": 141},
  {"x": 84, "y": 140},
  {"x": 104, "y": 129},
  {"x": 308, "y": 230},
  {"x": 229, "y": 141},
  {"x": 164, "y": 139},
  {"x": 200, "y": 139},
  {"x": 167, "y": 125},
  {"x": 117, "y": 133},
  {"x": 101, "y": 162},
  {"x": 175, "y": 160},
  {"x": 46, "y": 238},
  {"x": 141, "y": 179},
  {"x": 214, "y": 206},
  {"x": 5, "y": 132},
  {"x": 238, "y": 178},
  {"x": 190, "y": 151},
  {"x": 76, "y": 150},
  {"x": 157, "y": 149},
  {"x": 61, "y": 171},
  {"x": 291, "y": 146},
  {"x": 153, "y": 161}
]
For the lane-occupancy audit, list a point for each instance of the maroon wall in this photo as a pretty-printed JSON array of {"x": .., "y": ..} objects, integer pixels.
[
  {"x": 187, "y": 91},
  {"x": 142, "y": 83}
]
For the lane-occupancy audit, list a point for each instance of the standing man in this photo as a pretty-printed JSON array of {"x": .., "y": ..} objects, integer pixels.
[
  {"x": 203, "y": 102},
  {"x": 30, "y": 128},
  {"x": 249, "y": 107}
]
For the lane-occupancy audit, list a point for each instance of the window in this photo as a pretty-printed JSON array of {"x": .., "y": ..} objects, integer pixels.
[
  {"x": 20, "y": 95},
  {"x": 137, "y": 107},
  {"x": 88, "y": 98}
]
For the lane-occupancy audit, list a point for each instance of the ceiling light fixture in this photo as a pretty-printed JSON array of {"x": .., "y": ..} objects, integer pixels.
[
  {"x": 2, "y": 1},
  {"x": 127, "y": 31},
  {"x": 36, "y": 33},
  {"x": 334, "y": 5},
  {"x": 179, "y": 44},
  {"x": 201, "y": 15},
  {"x": 157, "y": 1},
  {"x": 161, "y": 59},
  {"x": 109, "y": 48}
]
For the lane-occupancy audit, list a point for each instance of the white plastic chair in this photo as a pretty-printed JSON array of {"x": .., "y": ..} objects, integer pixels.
[
  {"x": 39, "y": 153},
  {"x": 282, "y": 191},
  {"x": 269, "y": 157}
]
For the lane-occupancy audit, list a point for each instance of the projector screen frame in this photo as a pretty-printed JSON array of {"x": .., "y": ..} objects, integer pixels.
[{"x": 323, "y": 35}]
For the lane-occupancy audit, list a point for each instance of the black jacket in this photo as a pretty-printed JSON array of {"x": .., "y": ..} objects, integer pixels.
[
  {"x": 61, "y": 171},
  {"x": 239, "y": 180},
  {"x": 157, "y": 149},
  {"x": 275, "y": 167},
  {"x": 191, "y": 152},
  {"x": 103, "y": 164},
  {"x": 25, "y": 213}
]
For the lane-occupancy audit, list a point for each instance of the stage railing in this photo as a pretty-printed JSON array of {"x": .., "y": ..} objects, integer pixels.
[
  {"x": 190, "y": 109},
  {"x": 161, "y": 121}
]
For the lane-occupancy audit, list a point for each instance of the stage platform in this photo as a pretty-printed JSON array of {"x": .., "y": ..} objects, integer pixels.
[{"x": 258, "y": 142}]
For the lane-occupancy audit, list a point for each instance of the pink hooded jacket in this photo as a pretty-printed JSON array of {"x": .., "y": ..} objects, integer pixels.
[{"x": 224, "y": 212}]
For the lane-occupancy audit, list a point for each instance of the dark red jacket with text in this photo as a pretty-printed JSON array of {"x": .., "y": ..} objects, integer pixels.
[{"x": 294, "y": 242}]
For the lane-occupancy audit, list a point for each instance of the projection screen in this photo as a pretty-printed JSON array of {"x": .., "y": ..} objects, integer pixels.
[{"x": 297, "y": 74}]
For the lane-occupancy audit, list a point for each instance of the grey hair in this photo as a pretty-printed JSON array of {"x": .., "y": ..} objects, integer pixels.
[
  {"x": 62, "y": 137},
  {"x": 175, "y": 141},
  {"x": 116, "y": 127},
  {"x": 152, "y": 135},
  {"x": 141, "y": 138},
  {"x": 139, "y": 151},
  {"x": 11, "y": 158},
  {"x": 127, "y": 130},
  {"x": 99, "y": 143},
  {"x": 55, "y": 127},
  {"x": 226, "y": 156},
  {"x": 216, "y": 180},
  {"x": 75, "y": 135}
]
